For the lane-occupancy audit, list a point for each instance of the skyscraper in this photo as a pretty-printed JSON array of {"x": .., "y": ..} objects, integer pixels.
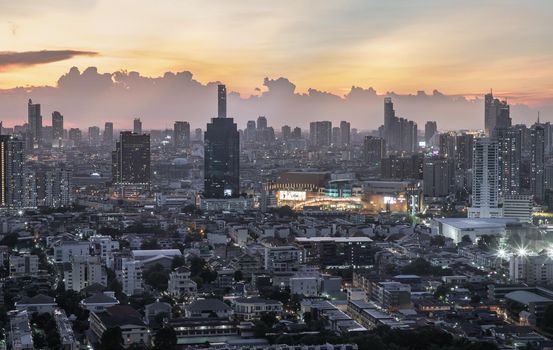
[
  {"x": 222, "y": 154},
  {"x": 12, "y": 157},
  {"x": 137, "y": 126},
  {"x": 345, "y": 133},
  {"x": 438, "y": 177},
  {"x": 537, "y": 162},
  {"x": 34, "y": 124},
  {"x": 181, "y": 136},
  {"x": 430, "y": 128},
  {"x": 57, "y": 128},
  {"x": 374, "y": 149},
  {"x": 400, "y": 133},
  {"x": 221, "y": 101},
  {"x": 131, "y": 161},
  {"x": 320, "y": 133},
  {"x": 108, "y": 134},
  {"x": 94, "y": 136},
  {"x": 509, "y": 160},
  {"x": 485, "y": 178},
  {"x": 286, "y": 132},
  {"x": 447, "y": 145},
  {"x": 496, "y": 114}
]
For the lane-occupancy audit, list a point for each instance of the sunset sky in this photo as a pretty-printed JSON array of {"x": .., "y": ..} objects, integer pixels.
[{"x": 460, "y": 47}]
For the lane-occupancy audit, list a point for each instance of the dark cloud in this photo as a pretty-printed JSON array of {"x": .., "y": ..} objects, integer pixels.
[
  {"x": 91, "y": 98},
  {"x": 30, "y": 58}
]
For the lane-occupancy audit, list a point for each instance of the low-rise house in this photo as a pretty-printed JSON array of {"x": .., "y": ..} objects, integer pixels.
[
  {"x": 99, "y": 301},
  {"x": 248, "y": 309},
  {"x": 134, "y": 330},
  {"x": 40, "y": 303}
]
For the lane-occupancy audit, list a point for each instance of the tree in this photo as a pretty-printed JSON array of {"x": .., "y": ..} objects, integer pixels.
[
  {"x": 10, "y": 240},
  {"x": 150, "y": 244},
  {"x": 112, "y": 339},
  {"x": 157, "y": 277},
  {"x": 466, "y": 239},
  {"x": 547, "y": 322},
  {"x": 178, "y": 261},
  {"x": 165, "y": 339}
]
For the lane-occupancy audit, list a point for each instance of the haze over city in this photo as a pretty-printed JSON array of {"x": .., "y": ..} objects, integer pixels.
[{"x": 311, "y": 55}]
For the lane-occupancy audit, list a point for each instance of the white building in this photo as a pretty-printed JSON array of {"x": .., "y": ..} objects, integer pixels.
[
  {"x": 248, "y": 309},
  {"x": 64, "y": 250},
  {"x": 65, "y": 330},
  {"x": 282, "y": 258},
  {"x": 456, "y": 228},
  {"x": 314, "y": 284},
  {"x": 129, "y": 273},
  {"x": 518, "y": 206},
  {"x": 23, "y": 265},
  {"x": 180, "y": 283},
  {"x": 106, "y": 245},
  {"x": 532, "y": 270},
  {"x": 485, "y": 180},
  {"x": 99, "y": 301},
  {"x": 84, "y": 271},
  {"x": 21, "y": 335}
]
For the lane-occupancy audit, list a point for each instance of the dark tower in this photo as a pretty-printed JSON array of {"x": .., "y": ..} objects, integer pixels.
[
  {"x": 222, "y": 101},
  {"x": 222, "y": 154}
]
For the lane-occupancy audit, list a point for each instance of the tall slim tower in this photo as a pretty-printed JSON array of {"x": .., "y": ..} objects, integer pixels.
[
  {"x": 537, "y": 162},
  {"x": 108, "y": 134},
  {"x": 222, "y": 101},
  {"x": 12, "y": 159},
  {"x": 509, "y": 160},
  {"x": 34, "y": 123},
  {"x": 496, "y": 114},
  {"x": 222, "y": 154},
  {"x": 131, "y": 161},
  {"x": 485, "y": 178},
  {"x": 57, "y": 128},
  {"x": 181, "y": 134}
]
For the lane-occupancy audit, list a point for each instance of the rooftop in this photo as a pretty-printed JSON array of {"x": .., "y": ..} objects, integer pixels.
[
  {"x": 467, "y": 223},
  {"x": 525, "y": 297}
]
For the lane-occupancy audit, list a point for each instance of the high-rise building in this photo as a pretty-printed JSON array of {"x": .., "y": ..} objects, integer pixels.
[
  {"x": 94, "y": 136},
  {"x": 75, "y": 135},
  {"x": 320, "y": 133},
  {"x": 286, "y": 132},
  {"x": 222, "y": 154},
  {"x": 374, "y": 149},
  {"x": 509, "y": 160},
  {"x": 400, "y": 133},
  {"x": 496, "y": 114},
  {"x": 131, "y": 161},
  {"x": 261, "y": 122},
  {"x": 336, "y": 136},
  {"x": 518, "y": 206},
  {"x": 447, "y": 145},
  {"x": 250, "y": 133},
  {"x": 57, "y": 128},
  {"x": 345, "y": 133},
  {"x": 12, "y": 159},
  {"x": 430, "y": 128},
  {"x": 437, "y": 177},
  {"x": 485, "y": 180},
  {"x": 402, "y": 168},
  {"x": 137, "y": 126},
  {"x": 181, "y": 136},
  {"x": 34, "y": 124},
  {"x": 537, "y": 162},
  {"x": 296, "y": 133},
  {"x": 221, "y": 101},
  {"x": 108, "y": 134}
]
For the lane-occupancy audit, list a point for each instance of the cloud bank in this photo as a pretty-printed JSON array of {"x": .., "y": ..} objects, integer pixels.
[
  {"x": 9, "y": 59},
  {"x": 91, "y": 98}
]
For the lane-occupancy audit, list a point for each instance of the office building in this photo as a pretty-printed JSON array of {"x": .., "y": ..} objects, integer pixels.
[
  {"x": 34, "y": 124},
  {"x": 320, "y": 133},
  {"x": 131, "y": 161},
  {"x": 402, "y": 168},
  {"x": 537, "y": 162},
  {"x": 496, "y": 114},
  {"x": 12, "y": 162},
  {"x": 94, "y": 136},
  {"x": 57, "y": 129},
  {"x": 509, "y": 160},
  {"x": 430, "y": 129},
  {"x": 108, "y": 134},
  {"x": 374, "y": 149},
  {"x": 447, "y": 144},
  {"x": 137, "y": 126},
  {"x": 345, "y": 133},
  {"x": 221, "y": 155},
  {"x": 286, "y": 132},
  {"x": 438, "y": 177},
  {"x": 485, "y": 180},
  {"x": 75, "y": 135},
  {"x": 181, "y": 134},
  {"x": 400, "y": 134},
  {"x": 518, "y": 206}
]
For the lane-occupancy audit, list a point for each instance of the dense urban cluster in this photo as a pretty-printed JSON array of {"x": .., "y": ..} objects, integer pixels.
[{"x": 332, "y": 238}]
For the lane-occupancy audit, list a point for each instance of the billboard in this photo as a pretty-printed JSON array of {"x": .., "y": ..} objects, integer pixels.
[{"x": 291, "y": 195}]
